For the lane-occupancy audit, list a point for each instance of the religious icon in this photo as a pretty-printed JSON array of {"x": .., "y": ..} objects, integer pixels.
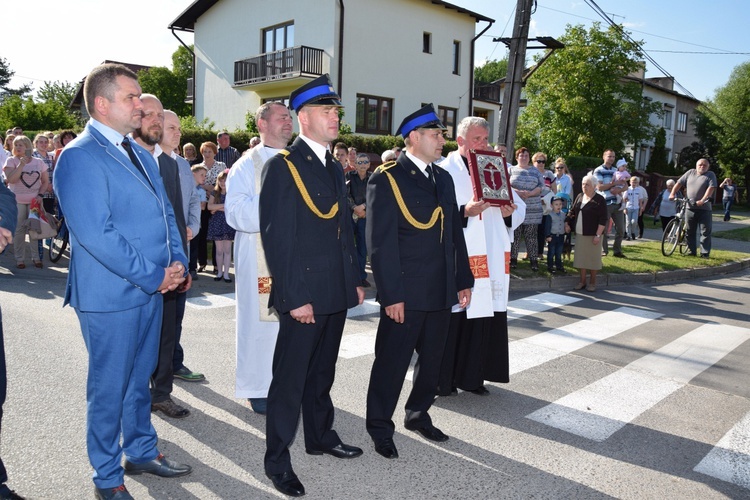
[{"x": 489, "y": 176}]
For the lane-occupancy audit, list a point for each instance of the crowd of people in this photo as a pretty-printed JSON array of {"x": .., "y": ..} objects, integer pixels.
[{"x": 303, "y": 220}]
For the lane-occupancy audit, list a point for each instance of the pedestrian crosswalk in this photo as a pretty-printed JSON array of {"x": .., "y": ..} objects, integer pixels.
[
  {"x": 619, "y": 397},
  {"x": 602, "y": 408}
]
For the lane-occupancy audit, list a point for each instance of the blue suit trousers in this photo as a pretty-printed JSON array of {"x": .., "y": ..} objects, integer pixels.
[{"x": 123, "y": 347}]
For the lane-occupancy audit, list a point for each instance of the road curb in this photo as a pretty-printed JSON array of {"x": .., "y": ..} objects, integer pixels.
[{"x": 606, "y": 280}]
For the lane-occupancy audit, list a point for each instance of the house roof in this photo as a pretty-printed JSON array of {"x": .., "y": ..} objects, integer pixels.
[
  {"x": 77, "y": 101},
  {"x": 186, "y": 20}
]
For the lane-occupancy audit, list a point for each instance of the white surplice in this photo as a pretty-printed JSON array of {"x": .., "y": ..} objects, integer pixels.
[
  {"x": 488, "y": 241},
  {"x": 256, "y": 338}
]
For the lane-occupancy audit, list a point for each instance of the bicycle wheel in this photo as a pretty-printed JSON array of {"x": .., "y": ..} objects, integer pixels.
[
  {"x": 669, "y": 238},
  {"x": 57, "y": 246},
  {"x": 682, "y": 240}
]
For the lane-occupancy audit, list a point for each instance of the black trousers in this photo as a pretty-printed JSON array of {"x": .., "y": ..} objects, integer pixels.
[
  {"x": 304, "y": 366},
  {"x": 179, "y": 355},
  {"x": 425, "y": 332},
  {"x": 162, "y": 378}
]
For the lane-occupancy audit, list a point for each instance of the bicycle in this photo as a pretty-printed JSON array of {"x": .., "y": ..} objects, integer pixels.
[
  {"x": 675, "y": 234},
  {"x": 59, "y": 243}
]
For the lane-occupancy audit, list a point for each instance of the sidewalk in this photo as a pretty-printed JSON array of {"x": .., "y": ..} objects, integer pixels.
[{"x": 651, "y": 233}]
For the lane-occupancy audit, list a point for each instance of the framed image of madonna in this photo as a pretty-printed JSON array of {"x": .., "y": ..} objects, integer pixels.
[{"x": 489, "y": 176}]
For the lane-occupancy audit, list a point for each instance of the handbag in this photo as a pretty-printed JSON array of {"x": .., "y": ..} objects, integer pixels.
[{"x": 40, "y": 224}]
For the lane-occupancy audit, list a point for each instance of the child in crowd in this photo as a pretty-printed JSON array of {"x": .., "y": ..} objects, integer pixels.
[
  {"x": 634, "y": 206},
  {"x": 198, "y": 243},
  {"x": 622, "y": 176},
  {"x": 554, "y": 231},
  {"x": 218, "y": 229}
]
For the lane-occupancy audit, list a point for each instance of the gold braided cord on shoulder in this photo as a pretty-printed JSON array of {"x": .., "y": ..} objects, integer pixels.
[
  {"x": 303, "y": 191},
  {"x": 385, "y": 166},
  {"x": 438, "y": 212}
]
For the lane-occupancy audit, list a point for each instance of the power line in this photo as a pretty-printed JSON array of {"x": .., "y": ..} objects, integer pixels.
[
  {"x": 700, "y": 52},
  {"x": 626, "y": 35},
  {"x": 644, "y": 33}
]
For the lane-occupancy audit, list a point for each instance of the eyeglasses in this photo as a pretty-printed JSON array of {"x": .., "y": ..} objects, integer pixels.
[
  {"x": 363, "y": 162},
  {"x": 559, "y": 168},
  {"x": 541, "y": 161}
]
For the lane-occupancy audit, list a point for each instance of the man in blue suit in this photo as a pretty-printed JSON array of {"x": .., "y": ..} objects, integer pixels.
[
  {"x": 8, "y": 216},
  {"x": 125, "y": 252}
]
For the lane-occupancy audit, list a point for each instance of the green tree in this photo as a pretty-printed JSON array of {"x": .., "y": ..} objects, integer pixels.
[
  {"x": 167, "y": 86},
  {"x": 690, "y": 155},
  {"x": 32, "y": 115},
  {"x": 728, "y": 116},
  {"x": 6, "y": 74},
  {"x": 491, "y": 71},
  {"x": 57, "y": 91},
  {"x": 658, "y": 162},
  {"x": 182, "y": 62},
  {"x": 579, "y": 100}
]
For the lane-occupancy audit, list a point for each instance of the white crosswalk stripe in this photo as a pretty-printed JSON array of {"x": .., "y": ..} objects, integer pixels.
[
  {"x": 362, "y": 344},
  {"x": 544, "y": 347},
  {"x": 729, "y": 460},
  {"x": 602, "y": 408}
]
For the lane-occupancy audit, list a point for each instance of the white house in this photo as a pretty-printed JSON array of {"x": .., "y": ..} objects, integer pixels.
[
  {"x": 385, "y": 58},
  {"x": 678, "y": 110}
]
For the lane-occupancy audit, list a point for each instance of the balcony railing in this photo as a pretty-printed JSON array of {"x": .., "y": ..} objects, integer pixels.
[
  {"x": 287, "y": 63},
  {"x": 487, "y": 92}
]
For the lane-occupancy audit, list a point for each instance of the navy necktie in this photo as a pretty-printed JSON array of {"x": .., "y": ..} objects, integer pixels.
[
  {"x": 430, "y": 174},
  {"x": 133, "y": 158}
]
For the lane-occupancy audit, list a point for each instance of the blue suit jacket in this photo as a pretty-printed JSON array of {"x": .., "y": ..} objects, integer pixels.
[{"x": 122, "y": 228}]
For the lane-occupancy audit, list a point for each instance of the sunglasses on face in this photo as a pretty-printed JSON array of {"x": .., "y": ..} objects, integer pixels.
[
  {"x": 541, "y": 161},
  {"x": 559, "y": 168},
  {"x": 363, "y": 162}
]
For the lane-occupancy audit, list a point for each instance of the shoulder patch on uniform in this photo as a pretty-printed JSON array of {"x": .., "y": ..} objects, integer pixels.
[{"x": 385, "y": 166}]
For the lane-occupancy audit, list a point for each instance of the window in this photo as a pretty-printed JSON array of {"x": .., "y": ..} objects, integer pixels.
[
  {"x": 278, "y": 37},
  {"x": 282, "y": 99},
  {"x": 448, "y": 117},
  {"x": 427, "y": 43},
  {"x": 456, "y": 57},
  {"x": 668, "y": 119},
  {"x": 275, "y": 40},
  {"x": 374, "y": 114},
  {"x": 682, "y": 119}
]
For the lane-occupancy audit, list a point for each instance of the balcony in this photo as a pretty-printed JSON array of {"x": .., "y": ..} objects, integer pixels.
[
  {"x": 280, "y": 65},
  {"x": 489, "y": 92}
]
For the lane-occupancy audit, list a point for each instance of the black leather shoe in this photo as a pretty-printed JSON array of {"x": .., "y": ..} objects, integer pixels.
[
  {"x": 287, "y": 483},
  {"x": 170, "y": 409},
  {"x": 339, "y": 451},
  {"x": 119, "y": 493},
  {"x": 429, "y": 431},
  {"x": 159, "y": 466},
  {"x": 480, "y": 391},
  {"x": 385, "y": 447},
  {"x": 619, "y": 255}
]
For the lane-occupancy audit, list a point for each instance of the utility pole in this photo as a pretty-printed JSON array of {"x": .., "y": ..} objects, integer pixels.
[{"x": 514, "y": 78}]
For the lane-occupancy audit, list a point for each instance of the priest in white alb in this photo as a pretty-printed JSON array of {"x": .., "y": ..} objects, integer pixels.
[
  {"x": 477, "y": 347},
  {"x": 257, "y": 326}
]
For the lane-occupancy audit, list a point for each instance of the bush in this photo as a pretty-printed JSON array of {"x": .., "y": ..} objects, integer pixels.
[
  {"x": 582, "y": 162},
  {"x": 379, "y": 143}
]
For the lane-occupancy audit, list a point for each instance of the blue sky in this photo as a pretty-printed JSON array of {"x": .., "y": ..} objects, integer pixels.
[
  {"x": 663, "y": 25},
  {"x": 76, "y": 35}
]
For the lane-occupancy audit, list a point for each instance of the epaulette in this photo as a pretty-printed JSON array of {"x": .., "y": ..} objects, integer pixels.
[{"x": 385, "y": 166}]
